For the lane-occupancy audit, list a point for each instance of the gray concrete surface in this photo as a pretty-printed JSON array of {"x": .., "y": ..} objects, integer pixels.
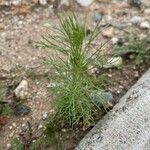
[{"x": 127, "y": 126}]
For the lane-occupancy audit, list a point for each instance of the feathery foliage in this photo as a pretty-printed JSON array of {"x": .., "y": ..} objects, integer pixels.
[{"x": 72, "y": 92}]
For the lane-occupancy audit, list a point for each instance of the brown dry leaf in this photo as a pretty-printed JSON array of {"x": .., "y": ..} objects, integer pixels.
[
  {"x": 23, "y": 9},
  {"x": 3, "y": 120}
]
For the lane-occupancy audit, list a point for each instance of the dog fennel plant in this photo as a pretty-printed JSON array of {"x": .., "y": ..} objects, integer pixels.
[{"x": 72, "y": 92}]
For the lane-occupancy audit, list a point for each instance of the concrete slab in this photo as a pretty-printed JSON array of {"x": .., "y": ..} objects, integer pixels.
[{"x": 127, "y": 126}]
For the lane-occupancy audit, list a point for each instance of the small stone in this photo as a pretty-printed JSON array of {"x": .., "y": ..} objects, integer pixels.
[
  {"x": 114, "y": 40},
  {"x": 14, "y": 124},
  {"x": 63, "y": 130},
  {"x": 23, "y": 125},
  {"x": 101, "y": 98},
  {"x": 109, "y": 75},
  {"x": 8, "y": 146},
  {"x": 108, "y": 96},
  {"x": 118, "y": 92},
  {"x": 21, "y": 110},
  {"x": 145, "y": 25},
  {"x": 40, "y": 126},
  {"x": 45, "y": 115},
  {"x": 113, "y": 62},
  {"x": 20, "y": 23},
  {"x": 21, "y": 91},
  {"x": 91, "y": 70},
  {"x": 135, "y": 3},
  {"x": 108, "y": 33},
  {"x": 11, "y": 134},
  {"x": 85, "y": 3},
  {"x": 43, "y": 2},
  {"x": 107, "y": 19},
  {"x": 16, "y": 2},
  {"x": 10, "y": 127},
  {"x": 147, "y": 11},
  {"x": 136, "y": 74},
  {"x": 97, "y": 16},
  {"x": 135, "y": 20},
  {"x": 64, "y": 3},
  {"x": 51, "y": 85}
]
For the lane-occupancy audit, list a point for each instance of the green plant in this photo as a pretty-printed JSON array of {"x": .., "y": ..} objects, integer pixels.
[
  {"x": 138, "y": 48},
  {"x": 16, "y": 144},
  {"x": 72, "y": 85}
]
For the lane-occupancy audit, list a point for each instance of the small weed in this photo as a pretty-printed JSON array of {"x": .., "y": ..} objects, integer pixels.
[
  {"x": 72, "y": 99},
  {"x": 138, "y": 49}
]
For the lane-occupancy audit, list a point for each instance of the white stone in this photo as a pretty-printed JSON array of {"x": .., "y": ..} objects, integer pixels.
[
  {"x": 147, "y": 11},
  {"x": 45, "y": 115},
  {"x": 85, "y": 3},
  {"x": 113, "y": 62},
  {"x": 114, "y": 40},
  {"x": 43, "y": 2},
  {"x": 64, "y": 3},
  {"x": 40, "y": 126},
  {"x": 145, "y": 25},
  {"x": 14, "y": 124},
  {"x": 135, "y": 19},
  {"x": 8, "y": 146},
  {"x": 21, "y": 91},
  {"x": 16, "y": 2},
  {"x": 10, "y": 127}
]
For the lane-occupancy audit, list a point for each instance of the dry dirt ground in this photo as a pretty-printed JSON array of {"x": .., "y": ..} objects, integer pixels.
[{"x": 17, "y": 50}]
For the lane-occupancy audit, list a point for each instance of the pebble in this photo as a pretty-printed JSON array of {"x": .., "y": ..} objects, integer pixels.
[
  {"x": 108, "y": 32},
  {"x": 108, "y": 96},
  {"x": 113, "y": 62},
  {"x": 40, "y": 126},
  {"x": 21, "y": 110},
  {"x": 91, "y": 70},
  {"x": 23, "y": 125},
  {"x": 45, "y": 115},
  {"x": 16, "y": 2},
  {"x": 114, "y": 40},
  {"x": 101, "y": 98},
  {"x": 21, "y": 91},
  {"x": 147, "y": 11},
  {"x": 8, "y": 146},
  {"x": 136, "y": 3},
  {"x": 43, "y": 2},
  {"x": 135, "y": 20},
  {"x": 20, "y": 23},
  {"x": 97, "y": 16},
  {"x": 14, "y": 124},
  {"x": 107, "y": 19},
  {"x": 11, "y": 134},
  {"x": 85, "y": 3},
  {"x": 63, "y": 130},
  {"x": 145, "y": 25},
  {"x": 118, "y": 92},
  {"x": 64, "y": 3},
  {"x": 10, "y": 127}
]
